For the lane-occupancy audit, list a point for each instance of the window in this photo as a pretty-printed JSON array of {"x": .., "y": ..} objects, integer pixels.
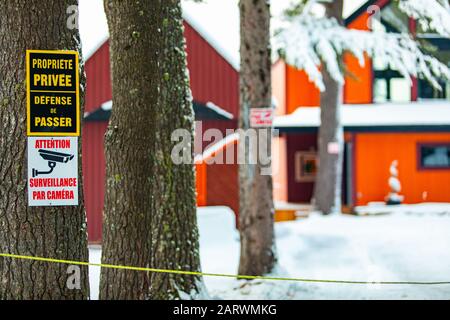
[
  {"x": 305, "y": 166},
  {"x": 427, "y": 91},
  {"x": 400, "y": 90},
  {"x": 380, "y": 91},
  {"x": 434, "y": 156},
  {"x": 389, "y": 85}
]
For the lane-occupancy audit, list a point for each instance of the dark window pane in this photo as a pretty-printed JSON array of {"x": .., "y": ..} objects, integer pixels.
[
  {"x": 427, "y": 91},
  {"x": 436, "y": 156}
]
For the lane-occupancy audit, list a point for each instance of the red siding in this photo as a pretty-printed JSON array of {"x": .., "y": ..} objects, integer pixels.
[
  {"x": 222, "y": 183},
  {"x": 213, "y": 79},
  {"x": 98, "y": 74},
  {"x": 218, "y": 183},
  {"x": 202, "y": 144},
  {"x": 94, "y": 176},
  {"x": 299, "y": 192}
]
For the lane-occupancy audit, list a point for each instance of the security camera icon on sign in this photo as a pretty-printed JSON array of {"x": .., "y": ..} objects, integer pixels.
[{"x": 53, "y": 158}]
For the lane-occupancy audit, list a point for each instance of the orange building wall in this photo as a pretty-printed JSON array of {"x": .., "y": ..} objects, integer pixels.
[
  {"x": 280, "y": 168},
  {"x": 223, "y": 186},
  {"x": 217, "y": 183},
  {"x": 201, "y": 183},
  {"x": 358, "y": 82},
  {"x": 279, "y": 86},
  {"x": 300, "y": 92},
  {"x": 374, "y": 153}
]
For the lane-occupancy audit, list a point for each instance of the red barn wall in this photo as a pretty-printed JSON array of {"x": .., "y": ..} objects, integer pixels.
[
  {"x": 213, "y": 79},
  {"x": 218, "y": 182},
  {"x": 98, "y": 89},
  {"x": 94, "y": 176},
  {"x": 222, "y": 181},
  {"x": 222, "y": 125},
  {"x": 223, "y": 190}
]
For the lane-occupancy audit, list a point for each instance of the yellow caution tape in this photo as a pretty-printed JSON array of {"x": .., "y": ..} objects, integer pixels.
[{"x": 193, "y": 273}]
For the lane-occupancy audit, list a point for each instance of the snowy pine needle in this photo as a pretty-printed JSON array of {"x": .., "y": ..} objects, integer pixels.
[
  {"x": 432, "y": 15},
  {"x": 307, "y": 42}
]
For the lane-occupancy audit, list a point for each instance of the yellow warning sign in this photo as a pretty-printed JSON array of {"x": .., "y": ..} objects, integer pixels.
[{"x": 53, "y": 101}]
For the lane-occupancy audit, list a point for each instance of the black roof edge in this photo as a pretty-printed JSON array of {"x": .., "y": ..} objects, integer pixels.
[
  {"x": 98, "y": 115},
  {"x": 356, "y": 14},
  {"x": 202, "y": 112},
  {"x": 441, "y": 42},
  {"x": 374, "y": 129}
]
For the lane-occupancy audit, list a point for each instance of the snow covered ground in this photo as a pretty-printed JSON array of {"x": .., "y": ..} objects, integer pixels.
[{"x": 408, "y": 243}]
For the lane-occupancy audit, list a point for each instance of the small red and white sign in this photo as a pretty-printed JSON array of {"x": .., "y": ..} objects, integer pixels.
[
  {"x": 334, "y": 148},
  {"x": 261, "y": 117},
  {"x": 52, "y": 171}
]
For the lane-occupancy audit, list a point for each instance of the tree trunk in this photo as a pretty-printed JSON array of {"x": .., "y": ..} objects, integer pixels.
[
  {"x": 174, "y": 222},
  {"x": 128, "y": 144},
  {"x": 328, "y": 186},
  {"x": 256, "y": 221},
  {"x": 52, "y": 232},
  {"x": 150, "y": 212}
]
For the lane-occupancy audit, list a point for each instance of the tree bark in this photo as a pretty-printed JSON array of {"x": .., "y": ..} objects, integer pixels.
[
  {"x": 52, "y": 232},
  {"x": 328, "y": 186},
  {"x": 128, "y": 144},
  {"x": 150, "y": 208},
  {"x": 174, "y": 222},
  {"x": 256, "y": 220}
]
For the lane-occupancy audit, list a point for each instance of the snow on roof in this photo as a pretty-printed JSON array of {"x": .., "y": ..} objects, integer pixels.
[
  {"x": 351, "y": 6},
  {"x": 423, "y": 113},
  {"x": 220, "y": 111},
  {"x": 220, "y": 146},
  {"x": 216, "y": 20},
  {"x": 214, "y": 109},
  {"x": 107, "y": 106},
  {"x": 93, "y": 26}
]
